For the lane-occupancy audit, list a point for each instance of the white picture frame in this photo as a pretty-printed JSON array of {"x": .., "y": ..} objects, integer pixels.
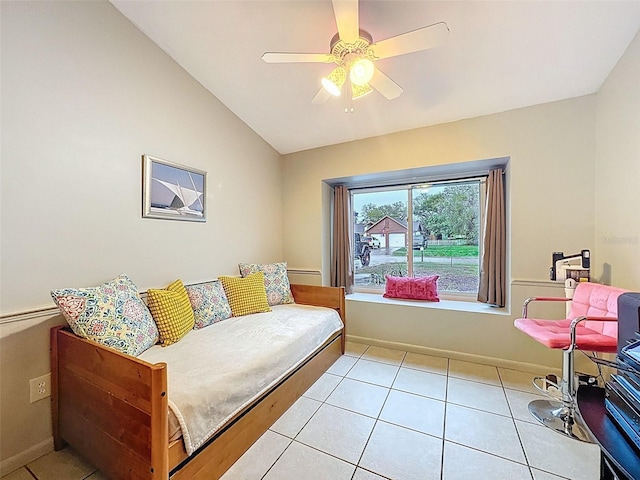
[{"x": 171, "y": 191}]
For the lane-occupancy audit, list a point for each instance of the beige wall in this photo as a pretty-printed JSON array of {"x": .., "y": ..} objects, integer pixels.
[
  {"x": 617, "y": 188},
  {"x": 550, "y": 196},
  {"x": 552, "y": 151},
  {"x": 84, "y": 95}
]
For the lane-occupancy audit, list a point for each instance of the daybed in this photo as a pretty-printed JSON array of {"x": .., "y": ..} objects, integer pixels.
[{"x": 113, "y": 408}]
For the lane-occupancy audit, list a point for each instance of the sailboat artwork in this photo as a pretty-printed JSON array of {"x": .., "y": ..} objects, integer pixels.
[{"x": 173, "y": 191}]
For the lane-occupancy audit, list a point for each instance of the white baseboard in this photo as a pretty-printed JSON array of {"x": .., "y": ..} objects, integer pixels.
[
  {"x": 13, "y": 463},
  {"x": 467, "y": 357}
]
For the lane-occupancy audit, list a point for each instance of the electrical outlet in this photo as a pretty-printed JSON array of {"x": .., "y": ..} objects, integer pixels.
[{"x": 40, "y": 387}]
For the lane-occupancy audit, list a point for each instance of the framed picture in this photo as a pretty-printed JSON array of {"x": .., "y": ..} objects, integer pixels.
[{"x": 172, "y": 191}]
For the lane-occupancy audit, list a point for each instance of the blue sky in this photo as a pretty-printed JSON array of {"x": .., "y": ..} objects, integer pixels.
[
  {"x": 378, "y": 198},
  {"x": 387, "y": 197},
  {"x": 175, "y": 175}
]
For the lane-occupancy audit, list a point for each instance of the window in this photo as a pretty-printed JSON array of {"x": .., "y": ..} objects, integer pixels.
[{"x": 418, "y": 230}]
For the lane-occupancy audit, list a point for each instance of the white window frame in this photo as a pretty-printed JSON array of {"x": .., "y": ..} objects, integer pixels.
[{"x": 409, "y": 187}]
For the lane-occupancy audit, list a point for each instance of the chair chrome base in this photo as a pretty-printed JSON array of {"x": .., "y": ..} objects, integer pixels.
[{"x": 561, "y": 419}]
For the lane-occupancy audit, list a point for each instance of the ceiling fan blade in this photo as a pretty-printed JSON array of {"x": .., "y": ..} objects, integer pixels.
[
  {"x": 414, "y": 41},
  {"x": 275, "y": 57},
  {"x": 346, "y": 13},
  {"x": 387, "y": 87},
  {"x": 321, "y": 97}
]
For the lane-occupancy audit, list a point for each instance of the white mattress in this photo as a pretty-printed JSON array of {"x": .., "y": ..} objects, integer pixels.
[{"x": 215, "y": 372}]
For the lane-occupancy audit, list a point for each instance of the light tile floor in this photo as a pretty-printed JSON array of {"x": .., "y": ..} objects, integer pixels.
[{"x": 386, "y": 414}]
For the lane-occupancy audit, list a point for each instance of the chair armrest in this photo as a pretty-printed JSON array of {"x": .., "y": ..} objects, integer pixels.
[
  {"x": 526, "y": 303},
  {"x": 577, "y": 320}
]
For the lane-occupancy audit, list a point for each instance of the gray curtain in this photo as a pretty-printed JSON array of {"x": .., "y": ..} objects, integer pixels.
[
  {"x": 341, "y": 252},
  {"x": 493, "y": 263}
]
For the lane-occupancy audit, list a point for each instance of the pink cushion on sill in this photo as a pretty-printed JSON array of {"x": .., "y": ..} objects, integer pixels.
[{"x": 420, "y": 288}]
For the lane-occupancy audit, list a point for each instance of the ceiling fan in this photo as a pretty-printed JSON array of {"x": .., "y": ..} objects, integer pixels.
[{"x": 354, "y": 52}]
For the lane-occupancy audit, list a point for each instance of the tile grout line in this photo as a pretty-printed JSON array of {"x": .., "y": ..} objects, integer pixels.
[
  {"x": 475, "y": 449},
  {"x": 30, "y": 472},
  {"x": 480, "y": 410},
  {"x": 402, "y": 365},
  {"x": 276, "y": 460},
  {"x": 444, "y": 421},
  {"x": 515, "y": 426},
  {"x": 378, "y": 416}
]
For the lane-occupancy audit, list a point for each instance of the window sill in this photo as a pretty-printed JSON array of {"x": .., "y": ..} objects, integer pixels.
[{"x": 455, "y": 305}]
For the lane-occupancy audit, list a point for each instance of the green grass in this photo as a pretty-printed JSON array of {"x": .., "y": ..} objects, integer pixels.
[{"x": 441, "y": 251}]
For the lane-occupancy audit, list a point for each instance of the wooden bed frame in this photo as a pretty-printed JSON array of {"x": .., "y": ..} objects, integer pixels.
[{"x": 112, "y": 408}]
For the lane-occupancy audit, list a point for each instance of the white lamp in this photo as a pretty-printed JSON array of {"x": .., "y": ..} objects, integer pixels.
[
  {"x": 361, "y": 71},
  {"x": 334, "y": 81}
]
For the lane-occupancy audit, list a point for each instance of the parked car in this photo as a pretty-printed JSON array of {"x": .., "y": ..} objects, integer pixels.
[
  {"x": 419, "y": 241},
  {"x": 362, "y": 248}
]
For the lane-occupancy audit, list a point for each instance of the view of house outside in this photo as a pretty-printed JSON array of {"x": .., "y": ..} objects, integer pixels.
[{"x": 442, "y": 239}]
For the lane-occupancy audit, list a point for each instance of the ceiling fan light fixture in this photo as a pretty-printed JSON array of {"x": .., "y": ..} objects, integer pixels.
[
  {"x": 359, "y": 91},
  {"x": 334, "y": 81},
  {"x": 361, "y": 71}
]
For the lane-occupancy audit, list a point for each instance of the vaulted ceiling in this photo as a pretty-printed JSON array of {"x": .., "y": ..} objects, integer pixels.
[{"x": 498, "y": 56}]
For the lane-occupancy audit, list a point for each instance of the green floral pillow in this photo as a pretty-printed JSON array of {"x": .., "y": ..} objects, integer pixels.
[
  {"x": 112, "y": 314},
  {"x": 276, "y": 280}
]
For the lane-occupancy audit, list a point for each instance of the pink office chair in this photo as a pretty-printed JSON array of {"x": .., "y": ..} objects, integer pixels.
[{"x": 591, "y": 325}]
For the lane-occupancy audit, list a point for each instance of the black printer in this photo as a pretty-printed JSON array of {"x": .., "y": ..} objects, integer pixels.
[{"x": 623, "y": 389}]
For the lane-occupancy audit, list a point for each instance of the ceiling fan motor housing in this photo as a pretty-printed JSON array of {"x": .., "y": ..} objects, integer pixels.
[{"x": 345, "y": 52}]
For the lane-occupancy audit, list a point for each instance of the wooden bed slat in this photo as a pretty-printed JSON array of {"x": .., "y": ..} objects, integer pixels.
[
  {"x": 104, "y": 452},
  {"x": 330, "y": 297},
  {"x": 126, "y": 377},
  {"x": 100, "y": 408}
]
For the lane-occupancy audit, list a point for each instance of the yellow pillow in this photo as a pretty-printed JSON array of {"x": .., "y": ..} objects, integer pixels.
[
  {"x": 246, "y": 295},
  {"x": 172, "y": 312}
]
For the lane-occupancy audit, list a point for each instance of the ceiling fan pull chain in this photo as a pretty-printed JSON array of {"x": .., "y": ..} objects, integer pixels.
[{"x": 348, "y": 98}]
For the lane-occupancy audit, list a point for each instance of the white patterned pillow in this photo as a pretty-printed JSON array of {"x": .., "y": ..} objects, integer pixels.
[
  {"x": 276, "y": 280},
  {"x": 112, "y": 314},
  {"x": 209, "y": 303}
]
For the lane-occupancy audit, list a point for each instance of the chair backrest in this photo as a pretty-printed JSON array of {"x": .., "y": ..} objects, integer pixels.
[{"x": 593, "y": 299}]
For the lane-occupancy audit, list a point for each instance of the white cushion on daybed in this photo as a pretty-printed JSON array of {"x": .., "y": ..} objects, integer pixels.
[{"x": 215, "y": 372}]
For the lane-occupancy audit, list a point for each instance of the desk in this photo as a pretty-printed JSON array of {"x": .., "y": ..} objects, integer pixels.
[{"x": 618, "y": 457}]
